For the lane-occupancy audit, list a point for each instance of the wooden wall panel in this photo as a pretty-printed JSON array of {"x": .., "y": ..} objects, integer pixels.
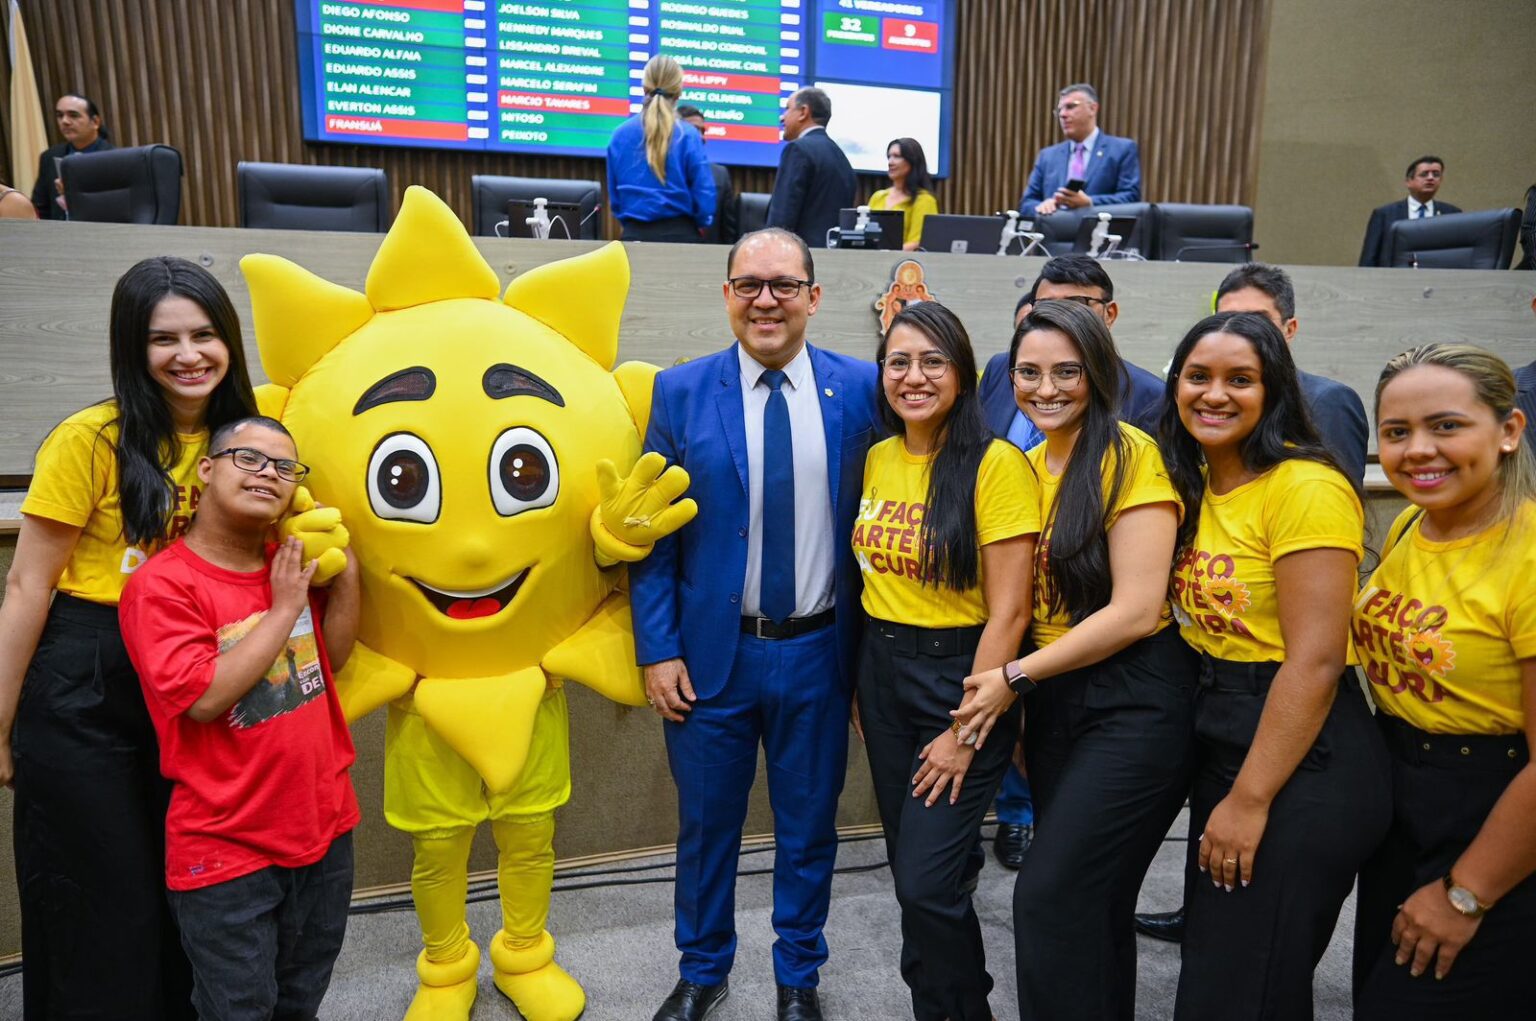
[{"x": 218, "y": 80}]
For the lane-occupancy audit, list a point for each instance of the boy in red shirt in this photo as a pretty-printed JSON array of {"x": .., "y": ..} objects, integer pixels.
[{"x": 228, "y": 642}]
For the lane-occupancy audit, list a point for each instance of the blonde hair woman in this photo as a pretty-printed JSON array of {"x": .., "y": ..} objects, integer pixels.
[{"x": 659, "y": 183}]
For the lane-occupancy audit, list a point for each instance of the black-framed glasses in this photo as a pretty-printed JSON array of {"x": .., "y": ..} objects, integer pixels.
[
  {"x": 932, "y": 365},
  {"x": 1085, "y": 300},
  {"x": 253, "y": 461},
  {"x": 782, "y": 288},
  {"x": 1027, "y": 378}
]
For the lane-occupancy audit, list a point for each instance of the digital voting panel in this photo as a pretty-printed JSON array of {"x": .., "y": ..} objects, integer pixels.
[{"x": 557, "y": 76}]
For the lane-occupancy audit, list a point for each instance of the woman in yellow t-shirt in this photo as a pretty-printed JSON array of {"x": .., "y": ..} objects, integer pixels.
[
  {"x": 1108, "y": 745},
  {"x": 946, "y": 528},
  {"x": 111, "y": 483},
  {"x": 1446, "y": 632},
  {"x": 1290, "y": 789},
  {"x": 911, "y": 189}
]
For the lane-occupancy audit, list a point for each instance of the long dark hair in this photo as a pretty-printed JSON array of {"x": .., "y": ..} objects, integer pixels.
[
  {"x": 1285, "y": 430},
  {"x": 147, "y": 446},
  {"x": 1076, "y": 557},
  {"x": 949, "y": 553},
  {"x": 918, "y": 178}
]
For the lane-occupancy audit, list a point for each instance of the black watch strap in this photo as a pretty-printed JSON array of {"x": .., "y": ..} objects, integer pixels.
[{"x": 1016, "y": 678}]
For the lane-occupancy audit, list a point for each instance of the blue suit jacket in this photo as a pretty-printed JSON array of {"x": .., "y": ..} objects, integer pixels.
[
  {"x": 686, "y": 596},
  {"x": 1114, "y": 173},
  {"x": 1141, "y": 403},
  {"x": 814, "y": 182},
  {"x": 1339, "y": 415}
]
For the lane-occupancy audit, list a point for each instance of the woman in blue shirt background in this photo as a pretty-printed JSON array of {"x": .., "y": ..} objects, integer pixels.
[{"x": 659, "y": 183}]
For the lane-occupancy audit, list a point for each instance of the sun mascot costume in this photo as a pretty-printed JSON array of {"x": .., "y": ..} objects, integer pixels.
[{"x": 485, "y": 457}]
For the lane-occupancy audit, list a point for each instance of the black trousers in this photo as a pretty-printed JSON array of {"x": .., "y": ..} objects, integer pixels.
[
  {"x": 909, "y": 679},
  {"x": 1251, "y": 953},
  {"x": 1443, "y": 787},
  {"x": 97, "y": 936},
  {"x": 676, "y": 229},
  {"x": 1109, "y": 752}
]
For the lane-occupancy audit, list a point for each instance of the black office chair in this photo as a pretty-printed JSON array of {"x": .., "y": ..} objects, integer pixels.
[
  {"x": 1060, "y": 228},
  {"x": 752, "y": 213},
  {"x": 1481, "y": 240},
  {"x": 137, "y": 185},
  {"x": 290, "y": 196},
  {"x": 1195, "y": 233},
  {"x": 492, "y": 193}
]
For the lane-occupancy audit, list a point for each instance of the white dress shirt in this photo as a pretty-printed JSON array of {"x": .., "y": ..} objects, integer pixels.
[
  {"x": 1413, "y": 208},
  {"x": 814, "y": 549}
]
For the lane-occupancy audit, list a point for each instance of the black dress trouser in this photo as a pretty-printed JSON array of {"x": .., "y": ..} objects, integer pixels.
[
  {"x": 909, "y": 679},
  {"x": 1249, "y": 954},
  {"x": 1443, "y": 787},
  {"x": 97, "y": 937},
  {"x": 1108, "y": 749}
]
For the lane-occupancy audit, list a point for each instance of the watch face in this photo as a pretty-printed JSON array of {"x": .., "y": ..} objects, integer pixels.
[{"x": 1464, "y": 900}]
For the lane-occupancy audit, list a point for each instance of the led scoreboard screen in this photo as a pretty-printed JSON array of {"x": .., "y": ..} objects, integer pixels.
[{"x": 557, "y": 76}]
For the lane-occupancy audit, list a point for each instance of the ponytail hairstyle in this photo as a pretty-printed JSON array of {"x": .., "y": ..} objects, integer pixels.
[
  {"x": 147, "y": 445},
  {"x": 1494, "y": 386},
  {"x": 1284, "y": 432},
  {"x": 1076, "y": 557},
  {"x": 949, "y": 554},
  {"x": 663, "y": 84}
]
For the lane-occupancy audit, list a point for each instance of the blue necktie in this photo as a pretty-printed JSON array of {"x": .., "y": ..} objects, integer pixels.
[
  {"x": 1423, "y": 211},
  {"x": 777, "y": 594}
]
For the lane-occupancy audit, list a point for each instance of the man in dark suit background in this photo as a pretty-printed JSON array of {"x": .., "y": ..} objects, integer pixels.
[
  {"x": 1109, "y": 166},
  {"x": 815, "y": 179},
  {"x": 79, "y": 121},
  {"x": 724, "y": 230},
  {"x": 1422, "y": 181}
]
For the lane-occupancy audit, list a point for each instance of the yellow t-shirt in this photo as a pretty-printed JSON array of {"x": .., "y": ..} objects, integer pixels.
[
  {"x": 74, "y": 481},
  {"x": 915, "y": 208},
  {"x": 887, "y": 535},
  {"x": 1224, "y": 586},
  {"x": 1146, "y": 482},
  {"x": 1441, "y": 627}
]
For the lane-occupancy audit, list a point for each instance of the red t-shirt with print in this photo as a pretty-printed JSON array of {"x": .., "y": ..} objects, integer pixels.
[{"x": 266, "y": 783}]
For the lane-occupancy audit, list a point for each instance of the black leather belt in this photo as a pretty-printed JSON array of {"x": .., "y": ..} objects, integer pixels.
[{"x": 794, "y": 627}]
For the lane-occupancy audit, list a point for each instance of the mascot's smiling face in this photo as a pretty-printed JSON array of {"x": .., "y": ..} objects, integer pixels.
[{"x": 457, "y": 433}]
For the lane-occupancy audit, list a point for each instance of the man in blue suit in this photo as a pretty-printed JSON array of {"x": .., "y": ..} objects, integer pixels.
[
  {"x": 1110, "y": 167},
  {"x": 815, "y": 179},
  {"x": 1082, "y": 279},
  {"x": 747, "y": 620}
]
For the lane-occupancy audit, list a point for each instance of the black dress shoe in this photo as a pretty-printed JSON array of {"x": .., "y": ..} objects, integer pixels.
[
  {"x": 798, "y": 1004},
  {"x": 690, "y": 1001},
  {"x": 1011, "y": 842},
  {"x": 1165, "y": 925}
]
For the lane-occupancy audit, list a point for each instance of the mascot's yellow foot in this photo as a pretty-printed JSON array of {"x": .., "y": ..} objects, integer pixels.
[
  {"x": 530, "y": 978},
  {"x": 447, "y": 991}
]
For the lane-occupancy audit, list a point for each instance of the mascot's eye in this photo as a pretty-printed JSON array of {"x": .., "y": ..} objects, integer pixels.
[
  {"x": 524, "y": 473},
  {"x": 403, "y": 480}
]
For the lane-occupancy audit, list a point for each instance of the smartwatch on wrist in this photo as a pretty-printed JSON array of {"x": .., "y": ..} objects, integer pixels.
[
  {"x": 1463, "y": 900},
  {"x": 1017, "y": 680}
]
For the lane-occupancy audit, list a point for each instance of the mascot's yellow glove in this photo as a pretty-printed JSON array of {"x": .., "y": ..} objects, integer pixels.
[
  {"x": 636, "y": 511},
  {"x": 320, "y": 529}
]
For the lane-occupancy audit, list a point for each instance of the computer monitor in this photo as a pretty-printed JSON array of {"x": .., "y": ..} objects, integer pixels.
[
  {"x": 565, "y": 219},
  {"x": 1121, "y": 225},
  {"x": 963, "y": 235},
  {"x": 892, "y": 226}
]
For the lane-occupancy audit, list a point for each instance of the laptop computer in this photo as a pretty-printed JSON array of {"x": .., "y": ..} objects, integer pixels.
[
  {"x": 892, "y": 225},
  {"x": 963, "y": 235},
  {"x": 1121, "y": 225}
]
